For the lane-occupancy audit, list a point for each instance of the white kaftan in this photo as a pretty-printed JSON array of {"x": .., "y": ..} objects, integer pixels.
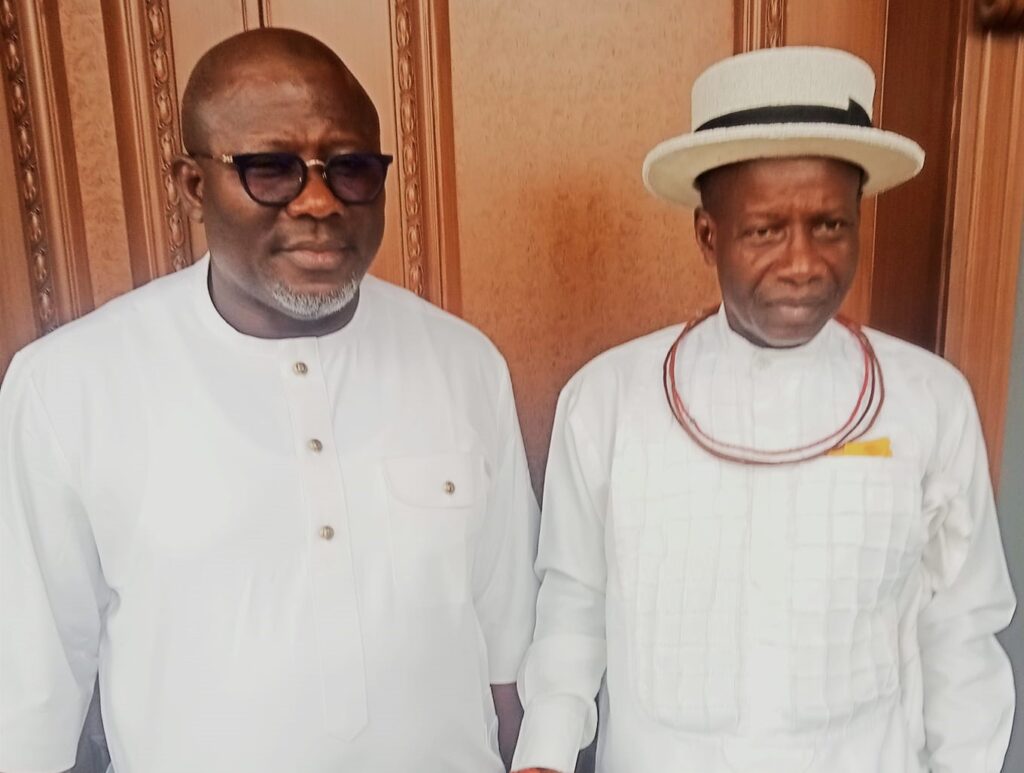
[
  {"x": 306, "y": 555},
  {"x": 832, "y": 616}
]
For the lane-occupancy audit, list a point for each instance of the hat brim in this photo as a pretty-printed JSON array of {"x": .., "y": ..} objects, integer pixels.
[{"x": 672, "y": 167}]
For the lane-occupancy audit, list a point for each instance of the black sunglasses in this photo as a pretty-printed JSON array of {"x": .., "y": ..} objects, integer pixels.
[{"x": 275, "y": 179}]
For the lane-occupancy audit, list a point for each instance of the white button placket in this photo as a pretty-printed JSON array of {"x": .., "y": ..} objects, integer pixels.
[
  {"x": 338, "y": 632},
  {"x": 767, "y": 677},
  {"x": 767, "y": 667}
]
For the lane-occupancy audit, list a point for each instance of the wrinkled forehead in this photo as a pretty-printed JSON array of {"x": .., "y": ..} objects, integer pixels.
[{"x": 725, "y": 184}]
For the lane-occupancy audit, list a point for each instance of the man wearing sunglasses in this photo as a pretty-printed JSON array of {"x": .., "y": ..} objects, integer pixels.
[{"x": 279, "y": 506}]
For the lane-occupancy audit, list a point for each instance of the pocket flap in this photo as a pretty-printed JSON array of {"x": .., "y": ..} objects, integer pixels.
[{"x": 439, "y": 480}]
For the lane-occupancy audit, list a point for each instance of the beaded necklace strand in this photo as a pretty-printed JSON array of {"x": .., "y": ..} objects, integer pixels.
[{"x": 862, "y": 416}]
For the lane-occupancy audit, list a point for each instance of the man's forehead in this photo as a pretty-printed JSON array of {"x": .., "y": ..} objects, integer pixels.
[
  {"x": 273, "y": 106},
  {"x": 745, "y": 176},
  {"x": 269, "y": 97},
  {"x": 773, "y": 165},
  {"x": 275, "y": 79}
]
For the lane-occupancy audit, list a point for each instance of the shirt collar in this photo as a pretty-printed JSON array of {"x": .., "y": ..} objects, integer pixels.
[{"x": 213, "y": 321}]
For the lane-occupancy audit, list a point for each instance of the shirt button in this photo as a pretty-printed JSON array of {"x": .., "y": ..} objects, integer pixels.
[
  {"x": 316, "y": 446},
  {"x": 327, "y": 532},
  {"x": 449, "y": 487},
  {"x": 300, "y": 368}
]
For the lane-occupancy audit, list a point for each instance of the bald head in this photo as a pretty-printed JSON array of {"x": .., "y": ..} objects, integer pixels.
[{"x": 273, "y": 55}]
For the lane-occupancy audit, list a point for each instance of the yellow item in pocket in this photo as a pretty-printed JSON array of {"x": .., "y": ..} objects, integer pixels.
[{"x": 877, "y": 447}]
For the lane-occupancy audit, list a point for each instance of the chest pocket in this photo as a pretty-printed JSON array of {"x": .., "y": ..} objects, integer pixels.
[{"x": 433, "y": 504}]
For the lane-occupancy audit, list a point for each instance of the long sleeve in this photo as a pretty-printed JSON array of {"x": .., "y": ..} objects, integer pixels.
[
  {"x": 566, "y": 662},
  {"x": 968, "y": 685},
  {"x": 504, "y": 584},
  {"x": 51, "y": 590}
]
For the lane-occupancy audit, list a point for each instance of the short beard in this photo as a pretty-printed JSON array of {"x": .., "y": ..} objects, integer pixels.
[{"x": 314, "y": 306}]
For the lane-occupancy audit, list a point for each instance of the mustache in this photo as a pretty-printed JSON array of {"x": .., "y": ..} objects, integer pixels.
[
  {"x": 815, "y": 301},
  {"x": 316, "y": 245}
]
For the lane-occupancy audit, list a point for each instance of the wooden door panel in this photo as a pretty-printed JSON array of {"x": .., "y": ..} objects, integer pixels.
[
  {"x": 41, "y": 144},
  {"x": 18, "y": 324},
  {"x": 93, "y": 127},
  {"x": 563, "y": 252}
]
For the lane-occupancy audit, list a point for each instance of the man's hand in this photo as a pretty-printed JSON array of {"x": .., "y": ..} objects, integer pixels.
[{"x": 510, "y": 716}]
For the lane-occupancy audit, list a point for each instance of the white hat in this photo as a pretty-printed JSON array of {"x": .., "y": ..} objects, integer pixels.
[{"x": 779, "y": 102}]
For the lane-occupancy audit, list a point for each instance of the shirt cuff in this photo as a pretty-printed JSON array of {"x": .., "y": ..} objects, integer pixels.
[{"x": 552, "y": 733}]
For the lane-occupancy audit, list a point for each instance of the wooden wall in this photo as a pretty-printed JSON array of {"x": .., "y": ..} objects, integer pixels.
[
  {"x": 519, "y": 130},
  {"x": 563, "y": 252},
  {"x": 986, "y": 208}
]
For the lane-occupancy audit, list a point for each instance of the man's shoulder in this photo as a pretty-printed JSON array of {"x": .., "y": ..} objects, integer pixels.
[
  {"x": 623, "y": 374},
  {"x": 907, "y": 360},
  {"x": 630, "y": 357},
  {"x": 410, "y": 312},
  {"x": 919, "y": 375},
  {"x": 94, "y": 337}
]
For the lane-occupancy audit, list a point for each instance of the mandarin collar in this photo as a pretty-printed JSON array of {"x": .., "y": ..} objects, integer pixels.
[{"x": 270, "y": 347}]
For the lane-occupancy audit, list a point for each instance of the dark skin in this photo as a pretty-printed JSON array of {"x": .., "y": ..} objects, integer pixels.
[
  {"x": 277, "y": 90},
  {"x": 281, "y": 90},
  {"x": 783, "y": 236}
]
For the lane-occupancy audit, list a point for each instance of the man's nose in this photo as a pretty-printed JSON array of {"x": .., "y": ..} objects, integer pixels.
[
  {"x": 315, "y": 199},
  {"x": 801, "y": 261}
]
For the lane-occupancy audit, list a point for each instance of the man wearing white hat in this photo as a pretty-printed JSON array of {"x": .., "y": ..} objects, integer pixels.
[{"x": 769, "y": 541}]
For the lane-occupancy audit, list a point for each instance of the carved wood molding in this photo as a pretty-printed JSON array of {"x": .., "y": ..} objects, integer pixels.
[
  {"x": 759, "y": 24},
  {"x": 421, "y": 61},
  {"x": 410, "y": 175},
  {"x": 141, "y": 60},
  {"x": 986, "y": 229},
  {"x": 45, "y": 162},
  {"x": 164, "y": 96},
  {"x": 1001, "y": 14},
  {"x": 37, "y": 240}
]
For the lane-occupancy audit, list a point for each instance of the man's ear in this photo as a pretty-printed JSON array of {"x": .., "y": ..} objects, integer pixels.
[
  {"x": 705, "y": 230},
  {"x": 188, "y": 177}
]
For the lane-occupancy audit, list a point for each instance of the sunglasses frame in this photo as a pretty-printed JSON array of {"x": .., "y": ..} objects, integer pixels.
[{"x": 242, "y": 161}]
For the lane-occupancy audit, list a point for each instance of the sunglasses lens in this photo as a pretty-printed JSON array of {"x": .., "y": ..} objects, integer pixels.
[
  {"x": 356, "y": 178},
  {"x": 273, "y": 178}
]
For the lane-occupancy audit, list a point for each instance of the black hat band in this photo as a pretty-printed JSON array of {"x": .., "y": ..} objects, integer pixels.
[{"x": 854, "y": 115}]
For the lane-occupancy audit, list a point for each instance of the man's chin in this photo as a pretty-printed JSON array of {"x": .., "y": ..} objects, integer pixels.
[
  {"x": 788, "y": 336},
  {"x": 309, "y": 306},
  {"x": 789, "y": 325}
]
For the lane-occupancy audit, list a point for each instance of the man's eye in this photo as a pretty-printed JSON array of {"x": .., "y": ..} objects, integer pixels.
[
  {"x": 831, "y": 227},
  {"x": 763, "y": 232},
  {"x": 269, "y": 169}
]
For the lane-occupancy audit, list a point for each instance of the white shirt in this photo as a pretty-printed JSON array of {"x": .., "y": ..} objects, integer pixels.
[
  {"x": 833, "y": 616},
  {"x": 306, "y": 555}
]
